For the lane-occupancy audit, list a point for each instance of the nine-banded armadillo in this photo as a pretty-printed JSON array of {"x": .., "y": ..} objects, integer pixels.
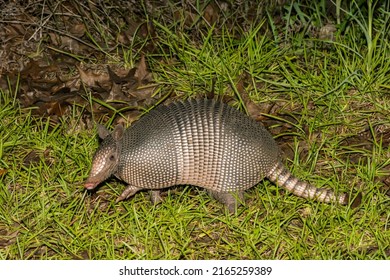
[{"x": 198, "y": 142}]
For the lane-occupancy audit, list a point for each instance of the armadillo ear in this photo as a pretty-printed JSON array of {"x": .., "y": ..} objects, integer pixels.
[
  {"x": 118, "y": 132},
  {"x": 102, "y": 131}
]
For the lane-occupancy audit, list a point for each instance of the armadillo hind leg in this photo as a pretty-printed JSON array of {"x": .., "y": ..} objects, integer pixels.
[
  {"x": 231, "y": 200},
  {"x": 155, "y": 197},
  {"x": 128, "y": 192},
  {"x": 282, "y": 177}
]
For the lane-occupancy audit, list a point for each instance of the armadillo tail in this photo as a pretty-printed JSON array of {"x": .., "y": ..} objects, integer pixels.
[{"x": 282, "y": 177}]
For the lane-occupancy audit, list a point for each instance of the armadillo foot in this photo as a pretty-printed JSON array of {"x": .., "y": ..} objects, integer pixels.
[
  {"x": 231, "y": 200},
  {"x": 155, "y": 197},
  {"x": 128, "y": 192}
]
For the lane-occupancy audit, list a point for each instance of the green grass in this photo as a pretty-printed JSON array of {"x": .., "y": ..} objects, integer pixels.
[{"x": 330, "y": 108}]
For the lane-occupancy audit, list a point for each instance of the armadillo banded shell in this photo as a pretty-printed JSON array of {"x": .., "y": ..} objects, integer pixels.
[{"x": 199, "y": 142}]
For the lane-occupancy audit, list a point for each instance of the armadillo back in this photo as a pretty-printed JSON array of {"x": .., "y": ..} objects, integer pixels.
[{"x": 198, "y": 142}]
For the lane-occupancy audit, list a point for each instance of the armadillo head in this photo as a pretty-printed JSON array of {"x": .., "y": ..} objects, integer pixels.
[{"x": 106, "y": 159}]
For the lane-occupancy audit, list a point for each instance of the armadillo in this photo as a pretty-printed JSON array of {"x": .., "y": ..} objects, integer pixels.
[{"x": 203, "y": 143}]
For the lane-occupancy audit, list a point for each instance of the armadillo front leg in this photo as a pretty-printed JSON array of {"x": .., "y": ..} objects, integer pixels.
[
  {"x": 231, "y": 200},
  {"x": 128, "y": 192}
]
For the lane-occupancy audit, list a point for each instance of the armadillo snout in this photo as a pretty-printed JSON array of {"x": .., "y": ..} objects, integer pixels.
[
  {"x": 90, "y": 185},
  {"x": 104, "y": 163}
]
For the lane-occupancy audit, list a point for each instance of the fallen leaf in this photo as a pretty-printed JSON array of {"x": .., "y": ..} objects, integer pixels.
[
  {"x": 91, "y": 79},
  {"x": 77, "y": 30},
  {"x": 116, "y": 93},
  {"x": 35, "y": 156},
  {"x": 130, "y": 76},
  {"x": 31, "y": 158},
  {"x": 211, "y": 13},
  {"x": 141, "y": 73}
]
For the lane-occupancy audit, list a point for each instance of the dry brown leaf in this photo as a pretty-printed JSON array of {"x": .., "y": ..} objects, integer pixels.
[
  {"x": 35, "y": 156},
  {"x": 3, "y": 171},
  {"x": 55, "y": 108},
  {"x": 8, "y": 238},
  {"x": 142, "y": 73},
  {"x": 386, "y": 185},
  {"x": 38, "y": 70},
  {"x": 142, "y": 93},
  {"x": 132, "y": 116},
  {"x": 189, "y": 18},
  {"x": 66, "y": 43},
  {"x": 254, "y": 110},
  {"x": 31, "y": 158},
  {"x": 92, "y": 79},
  {"x": 118, "y": 77},
  {"x": 70, "y": 85},
  {"x": 77, "y": 30},
  {"x": 327, "y": 32},
  {"x": 211, "y": 13},
  {"x": 116, "y": 93}
]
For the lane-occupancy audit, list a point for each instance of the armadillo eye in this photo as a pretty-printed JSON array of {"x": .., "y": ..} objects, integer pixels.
[{"x": 112, "y": 157}]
